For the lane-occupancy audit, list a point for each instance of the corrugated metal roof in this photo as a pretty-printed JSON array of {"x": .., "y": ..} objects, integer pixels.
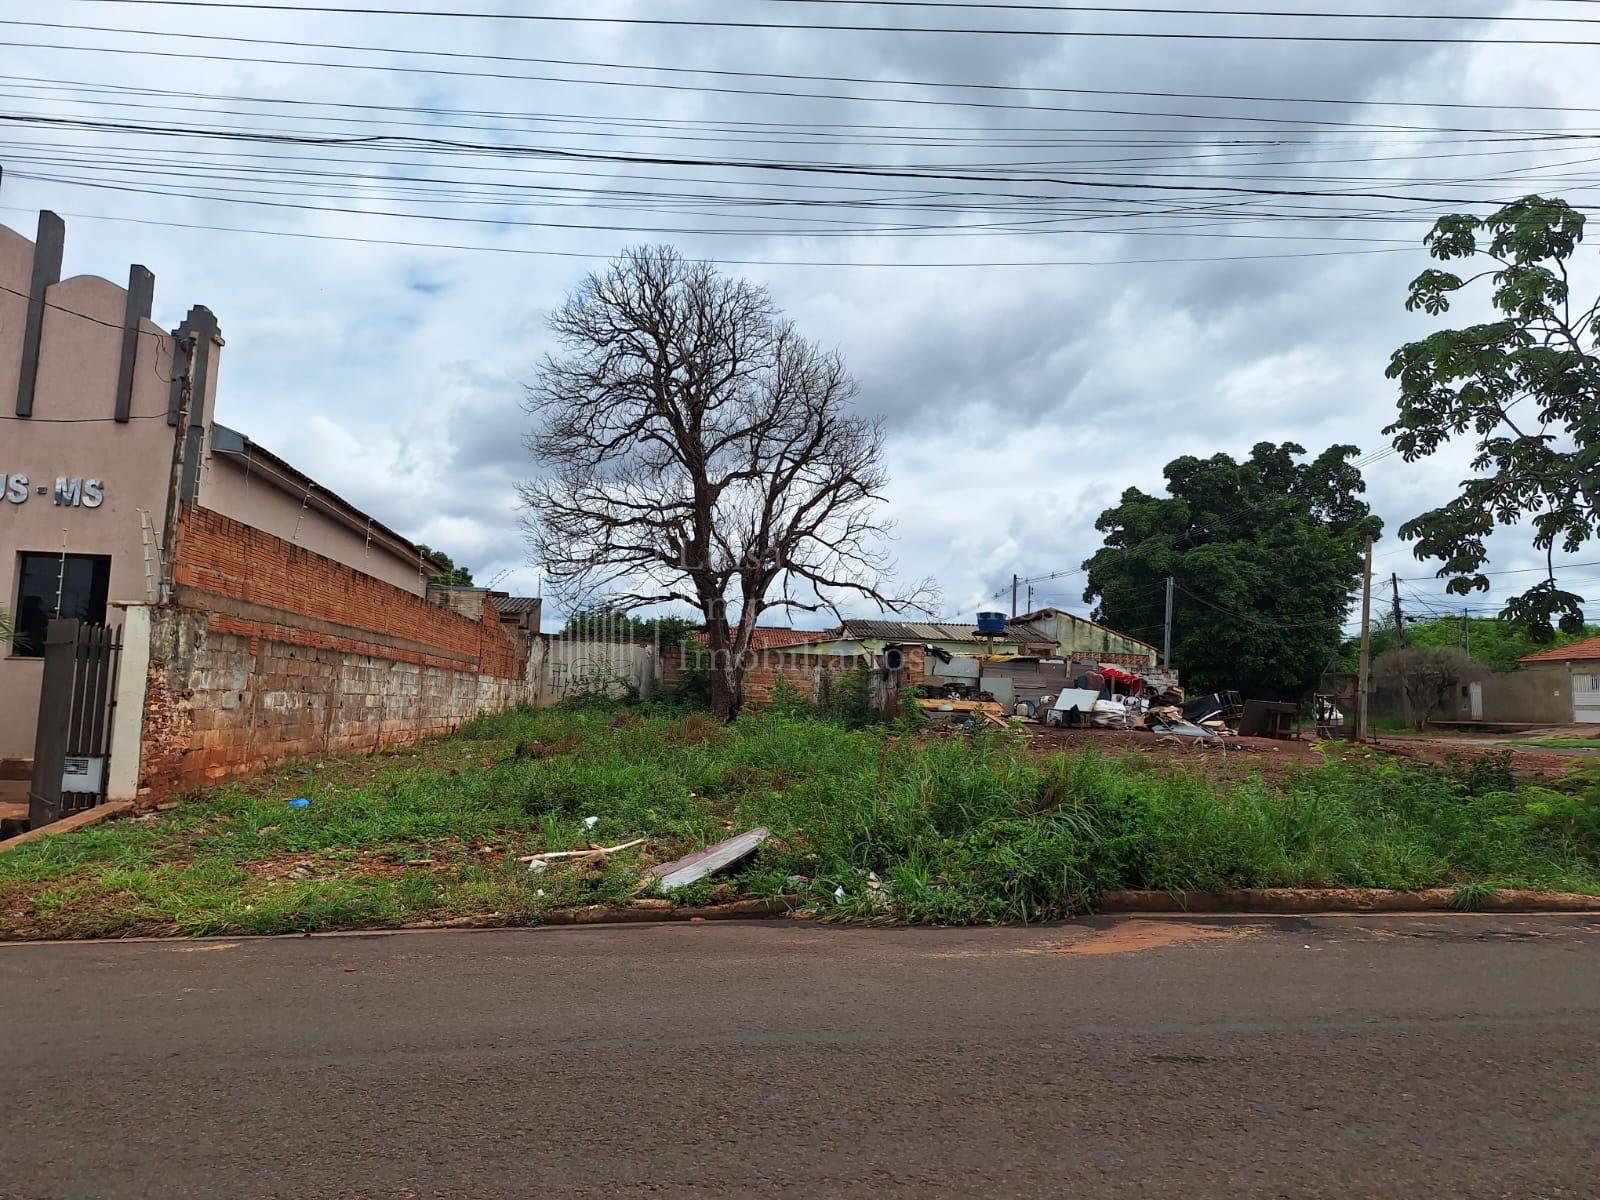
[
  {"x": 1584, "y": 651},
  {"x": 1029, "y": 634},
  {"x": 911, "y": 631},
  {"x": 514, "y": 606}
]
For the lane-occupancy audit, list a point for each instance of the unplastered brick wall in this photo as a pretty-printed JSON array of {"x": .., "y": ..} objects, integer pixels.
[
  {"x": 274, "y": 653},
  {"x": 223, "y": 557}
]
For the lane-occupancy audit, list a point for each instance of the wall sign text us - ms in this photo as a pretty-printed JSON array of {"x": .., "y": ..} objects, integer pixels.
[{"x": 67, "y": 493}]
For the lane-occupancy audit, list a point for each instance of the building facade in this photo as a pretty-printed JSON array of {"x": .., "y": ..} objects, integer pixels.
[{"x": 120, "y": 495}]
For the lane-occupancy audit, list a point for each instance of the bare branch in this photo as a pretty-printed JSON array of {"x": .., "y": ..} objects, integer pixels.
[{"x": 696, "y": 446}]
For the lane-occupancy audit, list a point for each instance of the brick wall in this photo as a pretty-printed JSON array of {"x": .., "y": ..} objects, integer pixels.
[
  {"x": 219, "y": 556},
  {"x": 274, "y": 653}
]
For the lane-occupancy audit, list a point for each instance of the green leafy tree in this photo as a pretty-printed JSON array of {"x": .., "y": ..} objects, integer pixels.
[
  {"x": 1488, "y": 640},
  {"x": 1525, "y": 387},
  {"x": 1265, "y": 554},
  {"x": 610, "y": 625},
  {"x": 453, "y": 575}
]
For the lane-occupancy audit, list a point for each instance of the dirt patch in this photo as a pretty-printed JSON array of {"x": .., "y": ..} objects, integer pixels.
[
  {"x": 1220, "y": 758},
  {"x": 1525, "y": 764},
  {"x": 542, "y": 750},
  {"x": 1236, "y": 757},
  {"x": 1132, "y": 937}
]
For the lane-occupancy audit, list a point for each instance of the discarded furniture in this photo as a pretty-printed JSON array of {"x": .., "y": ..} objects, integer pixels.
[{"x": 1268, "y": 718}]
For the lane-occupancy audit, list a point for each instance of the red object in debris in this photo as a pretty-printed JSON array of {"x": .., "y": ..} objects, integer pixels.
[{"x": 1130, "y": 682}]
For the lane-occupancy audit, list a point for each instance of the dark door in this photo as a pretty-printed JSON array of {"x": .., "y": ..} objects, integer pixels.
[{"x": 71, "y": 753}]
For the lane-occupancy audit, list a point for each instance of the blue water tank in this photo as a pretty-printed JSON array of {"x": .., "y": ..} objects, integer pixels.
[{"x": 991, "y": 623}]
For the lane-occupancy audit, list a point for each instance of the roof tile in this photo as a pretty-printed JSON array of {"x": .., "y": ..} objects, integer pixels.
[{"x": 1586, "y": 650}]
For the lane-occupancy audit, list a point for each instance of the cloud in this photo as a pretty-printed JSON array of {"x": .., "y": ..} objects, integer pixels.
[{"x": 1020, "y": 400}]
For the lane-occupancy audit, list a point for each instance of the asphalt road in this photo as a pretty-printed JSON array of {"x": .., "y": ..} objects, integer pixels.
[{"x": 1325, "y": 1057}]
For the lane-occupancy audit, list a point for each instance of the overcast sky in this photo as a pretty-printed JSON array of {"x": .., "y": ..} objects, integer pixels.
[{"x": 1021, "y": 399}]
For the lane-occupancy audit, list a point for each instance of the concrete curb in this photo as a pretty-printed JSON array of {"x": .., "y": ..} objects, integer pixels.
[
  {"x": 82, "y": 820},
  {"x": 640, "y": 912},
  {"x": 1342, "y": 900}
]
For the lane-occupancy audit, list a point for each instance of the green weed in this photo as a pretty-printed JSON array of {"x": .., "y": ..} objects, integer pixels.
[{"x": 875, "y": 823}]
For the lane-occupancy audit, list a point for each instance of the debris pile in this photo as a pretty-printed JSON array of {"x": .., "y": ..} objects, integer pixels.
[{"x": 1004, "y": 689}]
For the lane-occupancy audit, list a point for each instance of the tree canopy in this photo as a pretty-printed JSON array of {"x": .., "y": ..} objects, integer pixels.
[
  {"x": 608, "y": 624},
  {"x": 1488, "y": 640},
  {"x": 693, "y": 447},
  {"x": 1265, "y": 554},
  {"x": 453, "y": 575},
  {"x": 1525, "y": 387}
]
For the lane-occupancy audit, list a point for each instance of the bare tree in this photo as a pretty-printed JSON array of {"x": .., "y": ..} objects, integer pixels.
[
  {"x": 1424, "y": 679},
  {"x": 695, "y": 448}
]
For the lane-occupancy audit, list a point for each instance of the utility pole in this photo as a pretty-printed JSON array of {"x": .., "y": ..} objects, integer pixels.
[
  {"x": 1166, "y": 637},
  {"x": 1030, "y": 597},
  {"x": 180, "y": 437},
  {"x": 1399, "y": 619},
  {"x": 1466, "y": 634},
  {"x": 1014, "y": 582},
  {"x": 1364, "y": 670}
]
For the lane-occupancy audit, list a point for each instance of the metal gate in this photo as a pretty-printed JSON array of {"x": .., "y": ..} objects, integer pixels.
[{"x": 72, "y": 750}]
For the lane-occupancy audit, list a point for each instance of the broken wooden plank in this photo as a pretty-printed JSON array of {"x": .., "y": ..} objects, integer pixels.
[
  {"x": 591, "y": 852},
  {"x": 701, "y": 863}
]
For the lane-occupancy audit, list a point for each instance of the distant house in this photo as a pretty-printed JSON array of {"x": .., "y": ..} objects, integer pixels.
[
  {"x": 774, "y": 637},
  {"x": 1558, "y": 686},
  {"x": 523, "y": 612},
  {"x": 1074, "y": 637},
  {"x": 1573, "y": 670},
  {"x": 871, "y": 636},
  {"x": 1047, "y": 633}
]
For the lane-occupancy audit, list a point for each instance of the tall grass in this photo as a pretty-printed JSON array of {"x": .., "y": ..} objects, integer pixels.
[
  {"x": 981, "y": 829},
  {"x": 866, "y": 823}
]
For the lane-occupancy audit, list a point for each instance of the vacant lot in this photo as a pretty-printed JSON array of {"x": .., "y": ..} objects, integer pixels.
[{"x": 878, "y": 823}]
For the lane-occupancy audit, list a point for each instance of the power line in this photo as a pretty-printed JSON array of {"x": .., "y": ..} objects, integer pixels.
[
  {"x": 801, "y": 26},
  {"x": 955, "y": 85},
  {"x": 72, "y": 312},
  {"x": 968, "y": 174},
  {"x": 720, "y": 262},
  {"x": 961, "y": 5}
]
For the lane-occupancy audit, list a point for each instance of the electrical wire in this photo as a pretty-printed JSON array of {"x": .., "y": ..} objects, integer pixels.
[{"x": 804, "y": 26}]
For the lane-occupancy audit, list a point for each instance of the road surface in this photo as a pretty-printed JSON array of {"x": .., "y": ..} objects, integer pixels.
[{"x": 1399, "y": 1057}]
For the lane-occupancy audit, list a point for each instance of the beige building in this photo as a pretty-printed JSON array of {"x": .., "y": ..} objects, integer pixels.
[{"x": 94, "y": 400}]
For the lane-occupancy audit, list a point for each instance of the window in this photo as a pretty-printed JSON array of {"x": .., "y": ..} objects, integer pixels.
[{"x": 55, "y": 585}]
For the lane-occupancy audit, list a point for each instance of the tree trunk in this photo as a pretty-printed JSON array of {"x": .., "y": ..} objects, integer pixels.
[{"x": 725, "y": 680}]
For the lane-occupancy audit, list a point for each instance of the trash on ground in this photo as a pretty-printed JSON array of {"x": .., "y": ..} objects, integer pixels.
[
  {"x": 548, "y": 856},
  {"x": 701, "y": 863},
  {"x": 299, "y": 802},
  {"x": 590, "y": 822}
]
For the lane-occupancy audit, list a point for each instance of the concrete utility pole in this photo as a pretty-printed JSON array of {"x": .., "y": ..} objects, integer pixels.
[
  {"x": 189, "y": 348},
  {"x": 1014, "y": 582},
  {"x": 1399, "y": 619},
  {"x": 1364, "y": 671},
  {"x": 1166, "y": 637}
]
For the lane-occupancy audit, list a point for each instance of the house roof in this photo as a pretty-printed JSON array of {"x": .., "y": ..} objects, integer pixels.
[
  {"x": 1587, "y": 650},
  {"x": 1028, "y": 633},
  {"x": 1051, "y": 612},
  {"x": 773, "y": 637},
  {"x": 514, "y": 606},
  {"x": 912, "y": 631},
  {"x": 289, "y": 478}
]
